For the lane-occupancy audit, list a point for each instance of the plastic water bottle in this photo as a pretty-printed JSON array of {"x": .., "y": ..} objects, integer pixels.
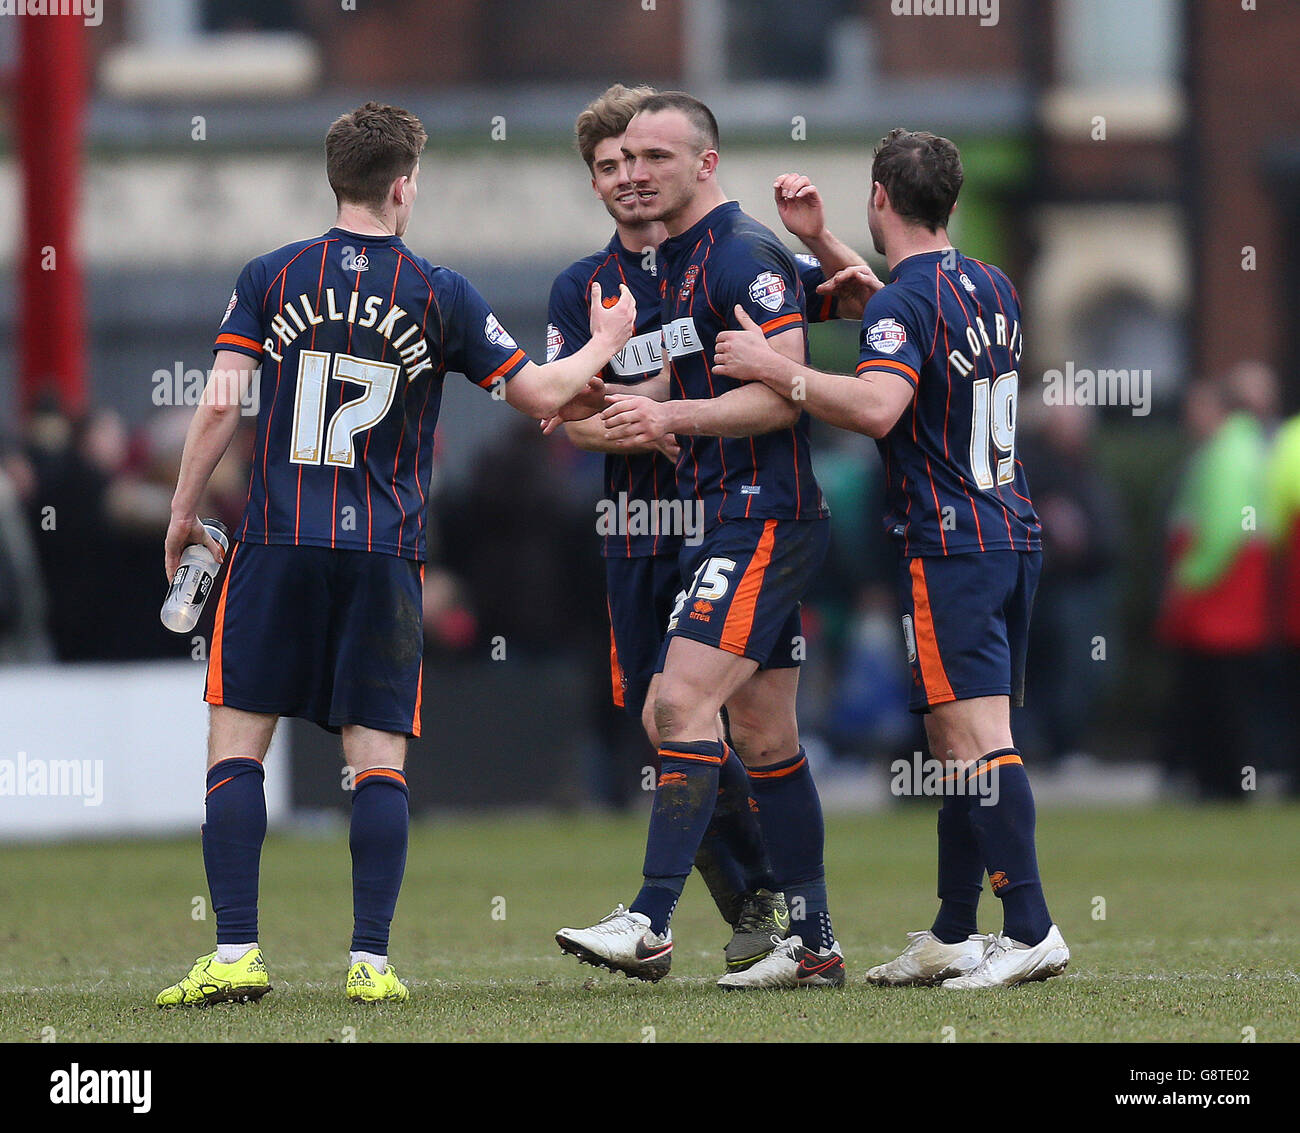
[{"x": 192, "y": 582}]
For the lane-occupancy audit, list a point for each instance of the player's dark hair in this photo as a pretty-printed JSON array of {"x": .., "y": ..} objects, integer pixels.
[
  {"x": 921, "y": 173},
  {"x": 370, "y": 148},
  {"x": 700, "y": 116},
  {"x": 607, "y": 117}
]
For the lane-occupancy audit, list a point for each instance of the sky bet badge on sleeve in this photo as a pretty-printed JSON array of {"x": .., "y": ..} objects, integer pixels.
[
  {"x": 768, "y": 291},
  {"x": 886, "y": 336}
]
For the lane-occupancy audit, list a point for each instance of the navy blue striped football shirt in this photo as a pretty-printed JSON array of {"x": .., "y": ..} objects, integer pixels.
[{"x": 355, "y": 335}]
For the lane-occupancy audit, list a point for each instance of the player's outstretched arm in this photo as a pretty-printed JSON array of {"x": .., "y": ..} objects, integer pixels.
[
  {"x": 542, "y": 391},
  {"x": 870, "y": 402},
  {"x": 748, "y": 411},
  {"x": 590, "y": 435},
  {"x": 210, "y": 433}
]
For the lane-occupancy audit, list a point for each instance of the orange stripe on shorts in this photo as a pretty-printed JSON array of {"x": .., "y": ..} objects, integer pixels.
[
  {"x": 215, "y": 691},
  {"x": 740, "y": 617},
  {"x": 933, "y": 675}
]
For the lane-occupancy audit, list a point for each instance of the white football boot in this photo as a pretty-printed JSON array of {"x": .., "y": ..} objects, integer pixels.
[
  {"x": 1007, "y": 962},
  {"x": 928, "y": 960},
  {"x": 622, "y": 942},
  {"x": 791, "y": 964}
]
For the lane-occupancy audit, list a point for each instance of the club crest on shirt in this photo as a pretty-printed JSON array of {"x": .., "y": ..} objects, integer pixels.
[
  {"x": 886, "y": 336},
  {"x": 554, "y": 342},
  {"x": 964, "y": 280},
  {"x": 688, "y": 281},
  {"x": 807, "y": 260},
  {"x": 234, "y": 298},
  {"x": 768, "y": 291},
  {"x": 496, "y": 333}
]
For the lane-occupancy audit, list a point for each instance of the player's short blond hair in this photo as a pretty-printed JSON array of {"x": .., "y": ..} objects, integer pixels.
[
  {"x": 607, "y": 117},
  {"x": 369, "y": 148}
]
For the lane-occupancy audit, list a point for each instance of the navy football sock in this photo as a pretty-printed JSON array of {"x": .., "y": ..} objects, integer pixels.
[
  {"x": 961, "y": 869},
  {"x": 736, "y": 820},
  {"x": 381, "y": 817},
  {"x": 683, "y": 808},
  {"x": 1002, "y": 818},
  {"x": 721, "y": 872},
  {"x": 233, "y": 833},
  {"x": 790, "y": 813}
]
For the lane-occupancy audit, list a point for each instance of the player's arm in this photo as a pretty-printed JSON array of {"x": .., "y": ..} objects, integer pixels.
[
  {"x": 543, "y": 391},
  {"x": 870, "y": 402},
  {"x": 803, "y": 213},
  {"x": 748, "y": 411},
  {"x": 210, "y": 433},
  {"x": 588, "y": 419}
]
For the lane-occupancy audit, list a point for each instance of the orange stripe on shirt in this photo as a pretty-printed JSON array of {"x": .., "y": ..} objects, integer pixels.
[
  {"x": 888, "y": 364},
  {"x": 501, "y": 369},
  {"x": 238, "y": 340},
  {"x": 783, "y": 321},
  {"x": 937, "y": 688},
  {"x": 215, "y": 692},
  {"x": 740, "y": 617}
]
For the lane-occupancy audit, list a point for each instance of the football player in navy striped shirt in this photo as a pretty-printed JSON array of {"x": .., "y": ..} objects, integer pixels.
[
  {"x": 936, "y": 385},
  {"x": 350, "y": 336},
  {"x": 733, "y": 636},
  {"x": 642, "y": 545}
]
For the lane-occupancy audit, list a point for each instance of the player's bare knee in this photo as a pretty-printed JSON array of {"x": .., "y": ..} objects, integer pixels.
[
  {"x": 368, "y": 747},
  {"x": 677, "y": 718},
  {"x": 648, "y": 723}
]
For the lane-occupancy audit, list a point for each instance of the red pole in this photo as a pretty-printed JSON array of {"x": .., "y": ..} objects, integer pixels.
[{"x": 51, "y": 307}]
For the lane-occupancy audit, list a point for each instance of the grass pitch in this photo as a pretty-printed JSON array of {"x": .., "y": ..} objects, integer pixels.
[{"x": 1184, "y": 925}]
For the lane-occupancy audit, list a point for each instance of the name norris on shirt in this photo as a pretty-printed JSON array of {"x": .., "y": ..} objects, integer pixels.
[
  {"x": 1005, "y": 333},
  {"x": 298, "y": 316}
]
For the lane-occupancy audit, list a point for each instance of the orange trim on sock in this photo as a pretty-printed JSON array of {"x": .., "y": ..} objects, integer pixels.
[
  {"x": 780, "y": 772},
  {"x": 382, "y": 772},
  {"x": 690, "y": 755}
]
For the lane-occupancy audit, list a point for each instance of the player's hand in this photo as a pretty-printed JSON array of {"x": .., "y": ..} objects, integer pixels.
[
  {"x": 181, "y": 532},
  {"x": 745, "y": 354},
  {"x": 635, "y": 419},
  {"x": 668, "y": 446},
  {"x": 613, "y": 323},
  {"x": 586, "y": 404},
  {"x": 852, "y": 287},
  {"x": 800, "y": 206}
]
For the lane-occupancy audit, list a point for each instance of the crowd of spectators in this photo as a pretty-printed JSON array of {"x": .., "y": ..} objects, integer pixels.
[{"x": 514, "y": 559}]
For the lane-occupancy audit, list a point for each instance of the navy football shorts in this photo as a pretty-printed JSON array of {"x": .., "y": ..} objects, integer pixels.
[
  {"x": 332, "y": 636},
  {"x": 743, "y": 585},
  {"x": 966, "y": 624},
  {"x": 640, "y": 593}
]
